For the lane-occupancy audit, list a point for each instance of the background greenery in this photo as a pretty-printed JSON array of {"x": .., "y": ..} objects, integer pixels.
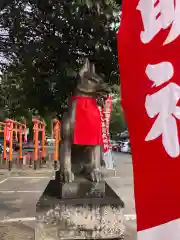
[{"x": 42, "y": 47}]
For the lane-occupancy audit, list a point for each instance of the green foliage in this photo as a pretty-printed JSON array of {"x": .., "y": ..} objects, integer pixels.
[
  {"x": 117, "y": 123},
  {"x": 45, "y": 43}
]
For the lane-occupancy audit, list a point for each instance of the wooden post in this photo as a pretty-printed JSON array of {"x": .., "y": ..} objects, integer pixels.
[
  {"x": 56, "y": 145},
  {"x": 4, "y": 152},
  {"x": 11, "y": 146},
  {"x": 20, "y": 145},
  {"x": 43, "y": 144},
  {"x": 36, "y": 144}
]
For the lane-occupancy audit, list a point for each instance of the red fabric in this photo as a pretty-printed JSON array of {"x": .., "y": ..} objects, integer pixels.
[
  {"x": 156, "y": 174},
  {"x": 87, "y": 129},
  {"x": 105, "y": 119}
]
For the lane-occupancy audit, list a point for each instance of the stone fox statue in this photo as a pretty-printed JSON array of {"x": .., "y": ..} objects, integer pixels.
[{"x": 81, "y": 126}]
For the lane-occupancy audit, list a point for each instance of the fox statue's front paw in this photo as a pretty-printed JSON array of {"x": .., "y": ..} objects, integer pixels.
[
  {"x": 96, "y": 175},
  {"x": 66, "y": 176}
]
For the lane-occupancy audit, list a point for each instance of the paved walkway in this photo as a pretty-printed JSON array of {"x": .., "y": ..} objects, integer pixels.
[
  {"x": 19, "y": 194},
  {"x": 123, "y": 186},
  {"x": 20, "y": 191}
]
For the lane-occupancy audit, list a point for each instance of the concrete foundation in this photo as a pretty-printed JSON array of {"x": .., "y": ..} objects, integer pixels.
[{"x": 63, "y": 217}]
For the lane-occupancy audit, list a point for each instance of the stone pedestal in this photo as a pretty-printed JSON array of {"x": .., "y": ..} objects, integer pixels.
[
  {"x": 80, "y": 188},
  {"x": 86, "y": 211}
]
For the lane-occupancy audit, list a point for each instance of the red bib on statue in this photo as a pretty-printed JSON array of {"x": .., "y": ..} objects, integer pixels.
[{"x": 87, "y": 129}]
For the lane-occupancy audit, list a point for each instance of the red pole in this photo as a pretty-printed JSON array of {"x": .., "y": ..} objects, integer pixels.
[
  {"x": 11, "y": 146},
  {"x": 36, "y": 145},
  {"x": 43, "y": 143},
  {"x": 4, "y": 152}
]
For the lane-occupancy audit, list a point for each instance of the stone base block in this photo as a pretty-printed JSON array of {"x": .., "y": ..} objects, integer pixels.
[
  {"x": 80, "y": 188},
  {"x": 83, "y": 218}
]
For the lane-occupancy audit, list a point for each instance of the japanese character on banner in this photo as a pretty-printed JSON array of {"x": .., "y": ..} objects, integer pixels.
[
  {"x": 105, "y": 135},
  {"x": 162, "y": 105},
  {"x": 159, "y": 15}
]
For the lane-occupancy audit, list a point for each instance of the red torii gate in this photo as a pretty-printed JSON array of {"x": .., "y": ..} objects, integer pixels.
[
  {"x": 11, "y": 126},
  {"x": 39, "y": 126}
]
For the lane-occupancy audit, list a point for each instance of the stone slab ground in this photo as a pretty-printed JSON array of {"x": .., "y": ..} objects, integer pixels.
[{"x": 20, "y": 191}]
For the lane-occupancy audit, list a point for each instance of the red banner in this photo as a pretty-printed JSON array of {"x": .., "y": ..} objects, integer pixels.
[
  {"x": 105, "y": 114},
  {"x": 148, "y": 46}
]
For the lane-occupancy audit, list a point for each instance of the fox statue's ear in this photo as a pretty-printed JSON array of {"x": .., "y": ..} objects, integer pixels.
[
  {"x": 86, "y": 67},
  {"x": 92, "y": 68}
]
